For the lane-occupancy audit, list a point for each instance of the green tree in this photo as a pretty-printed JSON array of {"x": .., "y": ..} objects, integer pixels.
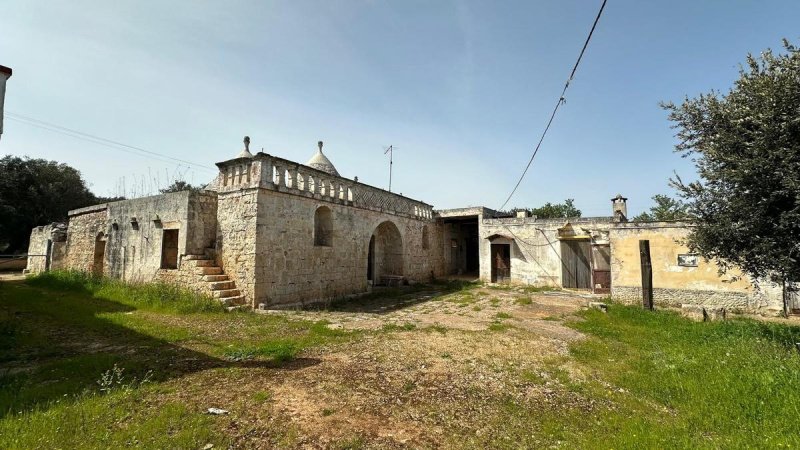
[
  {"x": 36, "y": 192},
  {"x": 746, "y": 147},
  {"x": 665, "y": 209},
  {"x": 553, "y": 211},
  {"x": 178, "y": 186}
]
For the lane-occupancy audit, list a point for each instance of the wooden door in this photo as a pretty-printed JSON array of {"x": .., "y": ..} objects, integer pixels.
[
  {"x": 501, "y": 262},
  {"x": 575, "y": 264}
]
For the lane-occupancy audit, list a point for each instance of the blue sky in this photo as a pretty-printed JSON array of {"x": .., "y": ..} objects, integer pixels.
[{"x": 462, "y": 89}]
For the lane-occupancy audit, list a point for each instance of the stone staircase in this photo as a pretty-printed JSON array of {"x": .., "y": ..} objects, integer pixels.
[{"x": 220, "y": 285}]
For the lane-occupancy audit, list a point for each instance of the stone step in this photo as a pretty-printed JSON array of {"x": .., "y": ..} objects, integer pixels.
[
  {"x": 209, "y": 271},
  {"x": 202, "y": 262},
  {"x": 222, "y": 285},
  {"x": 237, "y": 308},
  {"x": 222, "y": 277},
  {"x": 232, "y": 301},
  {"x": 225, "y": 293},
  {"x": 195, "y": 257}
]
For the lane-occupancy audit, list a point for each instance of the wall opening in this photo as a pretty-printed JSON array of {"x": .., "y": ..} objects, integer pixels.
[
  {"x": 386, "y": 256},
  {"x": 371, "y": 260},
  {"x": 575, "y": 264},
  {"x": 601, "y": 269},
  {"x": 323, "y": 227},
  {"x": 99, "y": 254},
  {"x": 169, "y": 250},
  {"x": 463, "y": 249},
  {"x": 501, "y": 262}
]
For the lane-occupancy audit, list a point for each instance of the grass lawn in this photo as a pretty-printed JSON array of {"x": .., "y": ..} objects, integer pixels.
[
  {"x": 61, "y": 332},
  {"x": 91, "y": 364}
]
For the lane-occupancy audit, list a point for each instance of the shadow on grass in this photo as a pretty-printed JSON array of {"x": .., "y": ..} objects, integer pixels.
[
  {"x": 55, "y": 344},
  {"x": 383, "y": 300}
]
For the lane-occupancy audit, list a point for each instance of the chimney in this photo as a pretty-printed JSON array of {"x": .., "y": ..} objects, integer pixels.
[
  {"x": 5, "y": 74},
  {"x": 619, "y": 208}
]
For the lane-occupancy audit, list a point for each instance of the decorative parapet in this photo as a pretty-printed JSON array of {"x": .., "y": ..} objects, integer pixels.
[
  {"x": 270, "y": 172},
  {"x": 545, "y": 222}
]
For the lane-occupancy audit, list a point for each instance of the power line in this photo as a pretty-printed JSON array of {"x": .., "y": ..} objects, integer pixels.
[
  {"x": 558, "y": 104},
  {"x": 100, "y": 140}
]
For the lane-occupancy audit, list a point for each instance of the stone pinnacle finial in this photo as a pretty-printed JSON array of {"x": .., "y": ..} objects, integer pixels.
[
  {"x": 246, "y": 152},
  {"x": 319, "y": 144}
]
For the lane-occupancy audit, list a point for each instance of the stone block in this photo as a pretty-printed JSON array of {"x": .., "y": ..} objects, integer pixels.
[
  {"x": 715, "y": 313},
  {"x": 693, "y": 312}
]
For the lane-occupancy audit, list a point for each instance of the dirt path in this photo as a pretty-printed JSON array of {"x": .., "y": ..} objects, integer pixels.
[{"x": 423, "y": 376}]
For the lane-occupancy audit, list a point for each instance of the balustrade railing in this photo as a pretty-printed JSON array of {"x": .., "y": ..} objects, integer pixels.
[{"x": 271, "y": 172}]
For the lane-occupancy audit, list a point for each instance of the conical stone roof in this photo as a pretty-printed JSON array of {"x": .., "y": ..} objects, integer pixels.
[{"x": 321, "y": 162}]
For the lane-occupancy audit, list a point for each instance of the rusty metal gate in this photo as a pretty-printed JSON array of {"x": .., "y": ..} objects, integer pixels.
[
  {"x": 601, "y": 269},
  {"x": 501, "y": 263},
  {"x": 575, "y": 265}
]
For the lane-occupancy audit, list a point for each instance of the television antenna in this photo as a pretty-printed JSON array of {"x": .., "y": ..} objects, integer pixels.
[{"x": 390, "y": 150}]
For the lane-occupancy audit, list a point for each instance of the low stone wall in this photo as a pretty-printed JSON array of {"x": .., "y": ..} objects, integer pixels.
[
  {"x": 734, "y": 301},
  {"x": 38, "y": 256}
]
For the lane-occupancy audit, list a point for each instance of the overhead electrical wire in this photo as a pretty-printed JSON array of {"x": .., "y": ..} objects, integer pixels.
[
  {"x": 561, "y": 100},
  {"x": 102, "y": 141}
]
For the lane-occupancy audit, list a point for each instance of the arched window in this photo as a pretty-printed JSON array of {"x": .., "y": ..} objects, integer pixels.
[
  {"x": 425, "y": 243},
  {"x": 323, "y": 227}
]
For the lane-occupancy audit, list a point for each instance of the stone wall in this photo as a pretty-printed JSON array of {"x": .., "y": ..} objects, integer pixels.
[
  {"x": 536, "y": 245},
  {"x": 137, "y": 226},
  {"x": 674, "y": 284},
  {"x": 47, "y": 247},
  {"x": 290, "y": 269},
  {"x": 85, "y": 226},
  {"x": 237, "y": 212}
]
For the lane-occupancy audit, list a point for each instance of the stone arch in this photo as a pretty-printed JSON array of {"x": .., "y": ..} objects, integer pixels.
[
  {"x": 98, "y": 262},
  {"x": 323, "y": 227},
  {"x": 385, "y": 257}
]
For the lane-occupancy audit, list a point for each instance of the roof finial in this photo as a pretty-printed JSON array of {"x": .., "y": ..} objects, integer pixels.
[
  {"x": 246, "y": 152},
  {"x": 319, "y": 144}
]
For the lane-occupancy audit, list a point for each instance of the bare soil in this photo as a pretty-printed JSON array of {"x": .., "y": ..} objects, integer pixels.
[{"x": 422, "y": 376}]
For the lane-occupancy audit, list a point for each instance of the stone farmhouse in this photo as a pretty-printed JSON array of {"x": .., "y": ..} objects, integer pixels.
[{"x": 273, "y": 233}]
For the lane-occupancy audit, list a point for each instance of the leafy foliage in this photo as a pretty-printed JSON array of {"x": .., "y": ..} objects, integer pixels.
[
  {"x": 36, "y": 192},
  {"x": 746, "y": 148},
  {"x": 665, "y": 209},
  {"x": 178, "y": 186},
  {"x": 553, "y": 211}
]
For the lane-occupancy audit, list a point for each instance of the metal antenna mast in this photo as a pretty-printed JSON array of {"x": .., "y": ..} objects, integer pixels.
[{"x": 390, "y": 151}]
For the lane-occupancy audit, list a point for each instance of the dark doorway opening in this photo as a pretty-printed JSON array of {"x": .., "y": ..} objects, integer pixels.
[
  {"x": 48, "y": 256},
  {"x": 99, "y": 254},
  {"x": 501, "y": 262},
  {"x": 169, "y": 250},
  {"x": 463, "y": 244},
  {"x": 575, "y": 264},
  {"x": 385, "y": 257},
  {"x": 371, "y": 259}
]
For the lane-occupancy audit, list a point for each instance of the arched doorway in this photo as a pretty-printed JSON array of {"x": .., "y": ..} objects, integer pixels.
[
  {"x": 99, "y": 254},
  {"x": 385, "y": 256}
]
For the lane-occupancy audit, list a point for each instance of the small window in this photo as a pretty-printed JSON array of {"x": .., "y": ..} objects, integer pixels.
[
  {"x": 323, "y": 227},
  {"x": 425, "y": 243},
  {"x": 169, "y": 250},
  {"x": 687, "y": 260}
]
